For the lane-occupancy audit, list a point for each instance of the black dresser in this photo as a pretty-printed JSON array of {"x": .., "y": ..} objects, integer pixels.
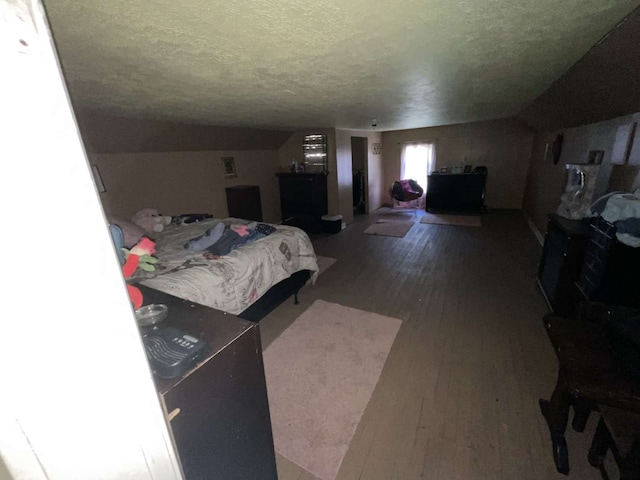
[
  {"x": 562, "y": 258},
  {"x": 219, "y": 410},
  {"x": 243, "y": 201},
  {"x": 455, "y": 192},
  {"x": 610, "y": 270},
  {"x": 303, "y": 199}
]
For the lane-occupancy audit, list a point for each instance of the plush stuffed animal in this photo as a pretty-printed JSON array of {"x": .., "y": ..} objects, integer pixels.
[
  {"x": 150, "y": 220},
  {"x": 140, "y": 256}
]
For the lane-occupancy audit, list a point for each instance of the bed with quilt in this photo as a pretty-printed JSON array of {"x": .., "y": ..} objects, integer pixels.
[{"x": 241, "y": 267}]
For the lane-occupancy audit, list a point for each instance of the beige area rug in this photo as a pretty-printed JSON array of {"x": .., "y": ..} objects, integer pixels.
[
  {"x": 324, "y": 263},
  {"x": 390, "y": 228},
  {"x": 462, "y": 220},
  {"x": 321, "y": 372},
  {"x": 396, "y": 212}
]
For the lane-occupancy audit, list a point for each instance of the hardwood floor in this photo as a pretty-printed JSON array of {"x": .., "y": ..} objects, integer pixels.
[{"x": 458, "y": 396}]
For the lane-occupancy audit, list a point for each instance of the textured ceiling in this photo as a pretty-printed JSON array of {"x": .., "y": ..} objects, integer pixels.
[{"x": 334, "y": 63}]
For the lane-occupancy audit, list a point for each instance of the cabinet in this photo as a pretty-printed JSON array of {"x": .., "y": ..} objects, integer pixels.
[
  {"x": 303, "y": 199},
  {"x": 243, "y": 201},
  {"x": 609, "y": 273},
  {"x": 219, "y": 409},
  {"x": 562, "y": 258},
  {"x": 455, "y": 192}
]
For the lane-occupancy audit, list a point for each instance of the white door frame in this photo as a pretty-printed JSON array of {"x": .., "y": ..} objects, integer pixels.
[{"x": 77, "y": 399}]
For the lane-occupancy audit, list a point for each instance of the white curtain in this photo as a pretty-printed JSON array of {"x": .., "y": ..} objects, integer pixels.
[{"x": 417, "y": 161}]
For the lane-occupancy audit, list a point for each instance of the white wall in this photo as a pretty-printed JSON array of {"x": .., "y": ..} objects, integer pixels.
[
  {"x": 185, "y": 182},
  {"x": 78, "y": 398},
  {"x": 504, "y": 146},
  {"x": 546, "y": 182}
]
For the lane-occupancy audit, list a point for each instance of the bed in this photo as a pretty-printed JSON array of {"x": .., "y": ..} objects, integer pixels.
[{"x": 249, "y": 281}]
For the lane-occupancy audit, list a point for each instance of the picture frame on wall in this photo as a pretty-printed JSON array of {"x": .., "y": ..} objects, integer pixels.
[{"x": 229, "y": 167}]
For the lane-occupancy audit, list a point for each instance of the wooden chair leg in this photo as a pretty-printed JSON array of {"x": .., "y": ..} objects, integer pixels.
[
  {"x": 630, "y": 466},
  {"x": 582, "y": 410},
  {"x": 556, "y": 413},
  {"x": 599, "y": 445}
]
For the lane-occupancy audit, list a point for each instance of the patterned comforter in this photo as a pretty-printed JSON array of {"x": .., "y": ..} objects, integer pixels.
[{"x": 232, "y": 282}]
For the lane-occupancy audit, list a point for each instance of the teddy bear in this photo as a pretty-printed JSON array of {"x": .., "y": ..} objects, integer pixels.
[{"x": 150, "y": 220}]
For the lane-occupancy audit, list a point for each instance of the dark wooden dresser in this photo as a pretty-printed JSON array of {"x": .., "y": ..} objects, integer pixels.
[
  {"x": 609, "y": 274},
  {"x": 243, "y": 201},
  {"x": 455, "y": 192},
  {"x": 303, "y": 199},
  {"x": 562, "y": 258},
  {"x": 219, "y": 411}
]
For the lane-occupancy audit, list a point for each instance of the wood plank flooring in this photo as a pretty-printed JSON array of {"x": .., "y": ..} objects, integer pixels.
[{"x": 458, "y": 396}]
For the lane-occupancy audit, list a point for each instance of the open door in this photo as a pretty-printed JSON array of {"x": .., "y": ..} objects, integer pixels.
[
  {"x": 78, "y": 400},
  {"x": 359, "y": 148}
]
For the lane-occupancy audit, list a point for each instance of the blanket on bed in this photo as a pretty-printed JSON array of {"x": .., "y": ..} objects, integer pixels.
[{"x": 232, "y": 282}]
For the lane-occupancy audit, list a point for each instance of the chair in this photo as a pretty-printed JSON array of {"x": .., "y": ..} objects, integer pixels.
[
  {"x": 619, "y": 431},
  {"x": 406, "y": 190},
  {"x": 588, "y": 376}
]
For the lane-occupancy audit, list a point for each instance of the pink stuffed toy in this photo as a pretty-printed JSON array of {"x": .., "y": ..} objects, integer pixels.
[{"x": 150, "y": 220}]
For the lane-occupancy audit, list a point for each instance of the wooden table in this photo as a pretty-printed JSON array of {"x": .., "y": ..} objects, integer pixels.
[{"x": 588, "y": 377}]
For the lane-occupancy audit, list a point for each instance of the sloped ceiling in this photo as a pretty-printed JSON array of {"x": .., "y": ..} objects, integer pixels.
[{"x": 329, "y": 63}]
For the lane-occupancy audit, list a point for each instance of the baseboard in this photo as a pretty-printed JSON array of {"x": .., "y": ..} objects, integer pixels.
[{"x": 536, "y": 232}]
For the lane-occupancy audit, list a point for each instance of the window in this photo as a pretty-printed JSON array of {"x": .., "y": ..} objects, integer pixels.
[{"x": 417, "y": 162}]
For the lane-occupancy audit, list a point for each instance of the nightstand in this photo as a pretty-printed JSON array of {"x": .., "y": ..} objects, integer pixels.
[{"x": 218, "y": 411}]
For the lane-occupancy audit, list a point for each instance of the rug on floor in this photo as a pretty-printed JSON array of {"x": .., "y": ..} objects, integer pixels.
[
  {"x": 396, "y": 212},
  {"x": 321, "y": 372},
  {"x": 461, "y": 220},
  {"x": 389, "y": 228},
  {"x": 324, "y": 263}
]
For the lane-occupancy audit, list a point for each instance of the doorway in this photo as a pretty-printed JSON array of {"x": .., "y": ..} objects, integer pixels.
[{"x": 359, "y": 157}]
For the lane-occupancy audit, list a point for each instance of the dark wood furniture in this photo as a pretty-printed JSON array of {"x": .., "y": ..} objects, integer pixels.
[
  {"x": 562, "y": 258},
  {"x": 609, "y": 273},
  {"x": 219, "y": 411},
  {"x": 588, "y": 376},
  {"x": 456, "y": 192},
  {"x": 303, "y": 199},
  {"x": 619, "y": 431},
  {"x": 243, "y": 201}
]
